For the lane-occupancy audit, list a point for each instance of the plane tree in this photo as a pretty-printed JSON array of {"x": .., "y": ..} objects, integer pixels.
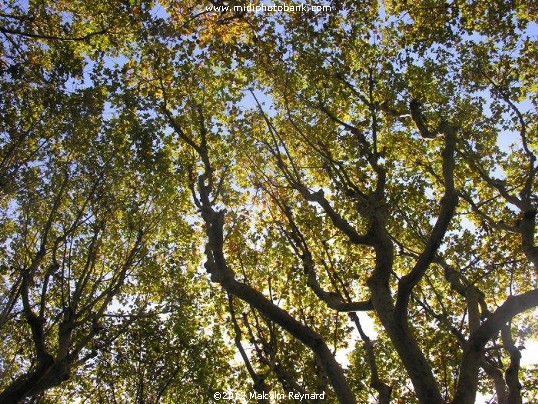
[{"x": 299, "y": 168}]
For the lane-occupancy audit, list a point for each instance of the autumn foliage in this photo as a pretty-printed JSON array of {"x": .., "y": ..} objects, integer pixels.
[{"x": 197, "y": 199}]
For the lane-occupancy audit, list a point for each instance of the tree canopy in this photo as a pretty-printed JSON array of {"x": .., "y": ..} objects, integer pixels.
[{"x": 197, "y": 197}]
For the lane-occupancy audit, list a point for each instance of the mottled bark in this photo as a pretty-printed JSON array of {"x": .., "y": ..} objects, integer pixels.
[
  {"x": 473, "y": 349},
  {"x": 416, "y": 365},
  {"x": 512, "y": 373}
]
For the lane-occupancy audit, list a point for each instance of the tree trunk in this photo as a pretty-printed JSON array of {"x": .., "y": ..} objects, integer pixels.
[{"x": 46, "y": 376}]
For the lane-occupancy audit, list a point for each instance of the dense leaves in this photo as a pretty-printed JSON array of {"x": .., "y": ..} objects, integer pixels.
[{"x": 196, "y": 198}]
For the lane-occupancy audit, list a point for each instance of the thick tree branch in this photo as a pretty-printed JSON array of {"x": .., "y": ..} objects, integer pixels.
[
  {"x": 512, "y": 373},
  {"x": 221, "y": 273},
  {"x": 468, "y": 377},
  {"x": 448, "y": 207}
]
